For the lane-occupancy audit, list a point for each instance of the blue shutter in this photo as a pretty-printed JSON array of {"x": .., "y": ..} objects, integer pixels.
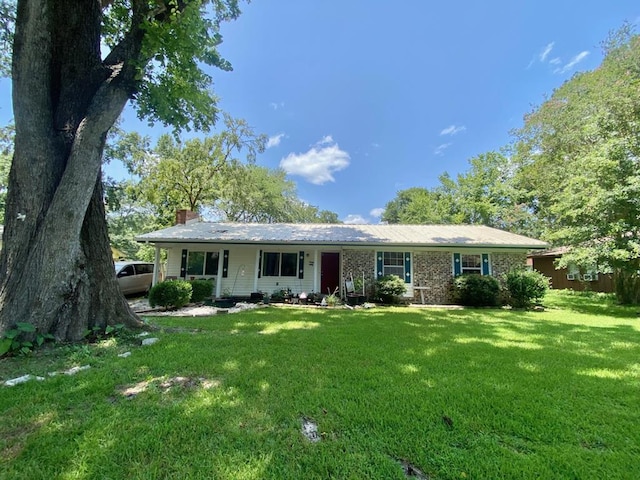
[
  {"x": 301, "y": 266},
  {"x": 225, "y": 264},
  {"x": 407, "y": 267},
  {"x": 457, "y": 265},
  {"x": 183, "y": 264},
  {"x": 485, "y": 264},
  {"x": 379, "y": 256}
]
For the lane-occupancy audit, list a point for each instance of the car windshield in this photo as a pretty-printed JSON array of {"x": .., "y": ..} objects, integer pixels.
[{"x": 119, "y": 265}]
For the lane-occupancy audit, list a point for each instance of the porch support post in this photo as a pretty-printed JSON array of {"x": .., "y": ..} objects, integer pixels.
[
  {"x": 255, "y": 271},
  {"x": 156, "y": 266},
  {"x": 316, "y": 270}
]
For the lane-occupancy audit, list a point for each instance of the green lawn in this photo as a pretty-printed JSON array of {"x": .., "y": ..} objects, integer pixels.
[{"x": 552, "y": 394}]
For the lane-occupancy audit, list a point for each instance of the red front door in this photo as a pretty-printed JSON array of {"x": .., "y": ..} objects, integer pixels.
[{"x": 329, "y": 272}]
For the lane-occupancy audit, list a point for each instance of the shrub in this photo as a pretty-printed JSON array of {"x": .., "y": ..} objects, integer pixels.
[
  {"x": 389, "y": 288},
  {"x": 170, "y": 294},
  {"x": 201, "y": 289},
  {"x": 526, "y": 287},
  {"x": 476, "y": 290}
]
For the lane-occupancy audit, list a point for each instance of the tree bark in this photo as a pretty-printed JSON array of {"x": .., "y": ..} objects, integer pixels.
[{"x": 56, "y": 268}]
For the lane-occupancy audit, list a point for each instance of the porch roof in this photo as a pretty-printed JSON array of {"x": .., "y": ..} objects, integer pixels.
[{"x": 341, "y": 234}]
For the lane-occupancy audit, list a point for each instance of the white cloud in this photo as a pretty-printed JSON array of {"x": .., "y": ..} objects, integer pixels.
[
  {"x": 555, "y": 61},
  {"x": 376, "y": 212},
  {"x": 546, "y": 51},
  {"x": 375, "y": 145},
  {"x": 274, "y": 140},
  {"x": 355, "y": 219},
  {"x": 453, "y": 129},
  {"x": 573, "y": 62},
  {"x": 276, "y": 105},
  {"x": 441, "y": 148},
  {"x": 319, "y": 163},
  {"x": 326, "y": 140}
]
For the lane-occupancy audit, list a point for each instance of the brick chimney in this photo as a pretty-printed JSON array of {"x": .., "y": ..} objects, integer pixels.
[{"x": 185, "y": 216}]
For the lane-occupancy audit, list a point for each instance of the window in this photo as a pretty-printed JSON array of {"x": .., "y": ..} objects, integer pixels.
[
  {"x": 202, "y": 263},
  {"x": 126, "y": 271},
  {"x": 465, "y": 263},
  {"x": 275, "y": 264},
  {"x": 211, "y": 263},
  {"x": 394, "y": 263},
  {"x": 289, "y": 265},
  {"x": 471, "y": 264},
  {"x": 142, "y": 268}
]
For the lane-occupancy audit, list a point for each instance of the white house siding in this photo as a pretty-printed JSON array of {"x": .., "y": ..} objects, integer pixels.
[
  {"x": 295, "y": 284},
  {"x": 242, "y": 275}
]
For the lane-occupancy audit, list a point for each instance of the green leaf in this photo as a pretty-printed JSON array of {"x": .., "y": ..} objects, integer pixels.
[
  {"x": 5, "y": 346},
  {"x": 13, "y": 333},
  {"x": 25, "y": 327}
]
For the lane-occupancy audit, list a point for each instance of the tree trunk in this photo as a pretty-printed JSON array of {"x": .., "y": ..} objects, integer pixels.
[{"x": 56, "y": 269}]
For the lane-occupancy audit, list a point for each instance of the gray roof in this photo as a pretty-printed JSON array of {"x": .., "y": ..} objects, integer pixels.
[{"x": 341, "y": 234}]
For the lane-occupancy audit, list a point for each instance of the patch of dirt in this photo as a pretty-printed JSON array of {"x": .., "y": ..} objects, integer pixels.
[{"x": 310, "y": 430}]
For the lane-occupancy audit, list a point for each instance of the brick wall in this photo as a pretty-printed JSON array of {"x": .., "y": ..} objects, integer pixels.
[
  {"x": 501, "y": 263},
  {"x": 432, "y": 270},
  {"x": 354, "y": 262}
]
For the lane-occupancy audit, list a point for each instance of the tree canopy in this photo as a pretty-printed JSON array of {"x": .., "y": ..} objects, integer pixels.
[{"x": 579, "y": 159}]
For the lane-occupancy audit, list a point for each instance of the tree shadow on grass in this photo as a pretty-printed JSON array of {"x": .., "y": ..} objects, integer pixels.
[
  {"x": 525, "y": 392},
  {"x": 591, "y": 303}
]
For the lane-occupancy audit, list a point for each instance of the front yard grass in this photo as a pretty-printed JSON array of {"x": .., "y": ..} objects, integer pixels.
[{"x": 480, "y": 394}]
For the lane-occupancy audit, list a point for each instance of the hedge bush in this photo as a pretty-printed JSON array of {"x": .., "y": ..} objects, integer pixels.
[
  {"x": 389, "y": 288},
  {"x": 476, "y": 290},
  {"x": 170, "y": 294},
  {"x": 200, "y": 289},
  {"x": 526, "y": 287}
]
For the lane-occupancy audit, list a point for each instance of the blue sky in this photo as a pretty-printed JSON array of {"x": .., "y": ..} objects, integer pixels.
[{"x": 362, "y": 98}]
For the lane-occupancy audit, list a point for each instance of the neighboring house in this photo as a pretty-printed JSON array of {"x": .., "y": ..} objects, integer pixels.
[
  {"x": 245, "y": 258},
  {"x": 573, "y": 278}
]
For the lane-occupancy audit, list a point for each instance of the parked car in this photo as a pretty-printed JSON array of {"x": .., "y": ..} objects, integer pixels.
[{"x": 134, "y": 277}]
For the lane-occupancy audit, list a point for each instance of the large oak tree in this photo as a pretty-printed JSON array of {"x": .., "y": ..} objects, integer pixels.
[{"x": 56, "y": 270}]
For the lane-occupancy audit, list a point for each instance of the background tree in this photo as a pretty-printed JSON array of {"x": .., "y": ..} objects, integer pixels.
[
  {"x": 55, "y": 268},
  {"x": 175, "y": 174},
  {"x": 419, "y": 205},
  {"x": 7, "y": 25},
  {"x": 6, "y": 152},
  {"x": 579, "y": 156},
  {"x": 487, "y": 194},
  {"x": 256, "y": 194}
]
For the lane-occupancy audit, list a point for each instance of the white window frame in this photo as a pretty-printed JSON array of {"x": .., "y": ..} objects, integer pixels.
[
  {"x": 470, "y": 270},
  {"x": 386, "y": 268}
]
